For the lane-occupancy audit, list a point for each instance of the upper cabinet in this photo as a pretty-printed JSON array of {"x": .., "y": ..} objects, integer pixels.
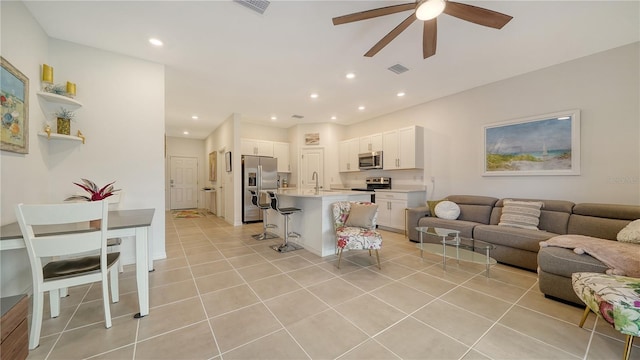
[
  {"x": 256, "y": 147},
  {"x": 403, "y": 148},
  {"x": 371, "y": 143},
  {"x": 281, "y": 152},
  {"x": 348, "y": 153}
]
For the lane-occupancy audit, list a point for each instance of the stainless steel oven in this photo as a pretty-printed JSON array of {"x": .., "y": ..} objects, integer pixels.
[
  {"x": 370, "y": 160},
  {"x": 373, "y": 183}
]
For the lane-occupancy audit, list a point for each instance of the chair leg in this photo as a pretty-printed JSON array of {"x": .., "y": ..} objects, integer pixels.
[
  {"x": 36, "y": 319},
  {"x": 628, "y": 344},
  {"x": 339, "y": 256},
  {"x": 105, "y": 301},
  {"x": 115, "y": 291},
  {"x": 378, "y": 258},
  {"x": 54, "y": 302},
  {"x": 369, "y": 252},
  {"x": 587, "y": 310}
]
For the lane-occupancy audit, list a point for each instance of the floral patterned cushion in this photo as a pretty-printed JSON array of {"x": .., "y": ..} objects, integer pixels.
[
  {"x": 354, "y": 238},
  {"x": 616, "y": 299}
]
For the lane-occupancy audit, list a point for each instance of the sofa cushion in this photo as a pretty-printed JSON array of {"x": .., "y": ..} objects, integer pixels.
[
  {"x": 524, "y": 239},
  {"x": 521, "y": 214},
  {"x": 564, "y": 262},
  {"x": 554, "y": 215},
  {"x": 630, "y": 233},
  {"x": 361, "y": 215},
  {"x": 465, "y": 227},
  {"x": 431, "y": 204},
  {"x": 474, "y": 208},
  {"x": 447, "y": 210}
]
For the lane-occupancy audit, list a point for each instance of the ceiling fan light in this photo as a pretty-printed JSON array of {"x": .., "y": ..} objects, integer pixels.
[{"x": 429, "y": 9}]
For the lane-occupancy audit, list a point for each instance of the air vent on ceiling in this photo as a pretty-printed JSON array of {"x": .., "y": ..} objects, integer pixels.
[
  {"x": 297, "y": 116},
  {"x": 258, "y": 6},
  {"x": 398, "y": 69}
]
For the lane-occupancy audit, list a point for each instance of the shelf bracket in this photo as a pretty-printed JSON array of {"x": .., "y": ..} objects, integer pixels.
[{"x": 81, "y": 136}]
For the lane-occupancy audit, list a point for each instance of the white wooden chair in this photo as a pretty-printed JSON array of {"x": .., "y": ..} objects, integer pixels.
[{"x": 60, "y": 242}]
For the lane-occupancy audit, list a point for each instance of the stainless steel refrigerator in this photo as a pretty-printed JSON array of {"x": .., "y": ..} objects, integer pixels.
[{"x": 258, "y": 173}]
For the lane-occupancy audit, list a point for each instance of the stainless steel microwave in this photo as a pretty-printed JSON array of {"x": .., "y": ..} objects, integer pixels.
[{"x": 370, "y": 160}]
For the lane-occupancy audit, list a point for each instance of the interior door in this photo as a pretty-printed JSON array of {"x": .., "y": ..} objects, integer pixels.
[
  {"x": 184, "y": 182},
  {"x": 312, "y": 160},
  {"x": 222, "y": 200}
]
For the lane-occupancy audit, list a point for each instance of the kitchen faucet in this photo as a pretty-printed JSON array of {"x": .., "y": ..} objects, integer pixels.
[{"x": 314, "y": 176}]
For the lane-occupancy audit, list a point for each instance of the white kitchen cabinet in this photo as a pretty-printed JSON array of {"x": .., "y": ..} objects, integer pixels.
[
  {"x": 348, "y": 153},
  {"x": 392, "y": 205},
  {"x": 403, "y": 148},
  {"x": 281, "y": 152},
  {"x": 256, "y": 147},
  {"x": 371, "y": 143}
]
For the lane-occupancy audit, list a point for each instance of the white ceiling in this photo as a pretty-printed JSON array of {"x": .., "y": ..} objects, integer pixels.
[{"x": 222, "y": 58}]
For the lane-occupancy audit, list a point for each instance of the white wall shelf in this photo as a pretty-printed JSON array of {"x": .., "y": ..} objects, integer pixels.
[
  {"x": 59, "y": 99},
  {"x": 54, "y": 136}
]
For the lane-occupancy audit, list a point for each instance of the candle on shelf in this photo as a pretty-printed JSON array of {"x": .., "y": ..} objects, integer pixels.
[
  {"x": 71, "y": 89},
  {"x": 47, "y": 74}
]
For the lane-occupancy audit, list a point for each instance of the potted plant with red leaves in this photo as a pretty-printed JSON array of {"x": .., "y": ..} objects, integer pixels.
[{"x": 96, "y": 194}]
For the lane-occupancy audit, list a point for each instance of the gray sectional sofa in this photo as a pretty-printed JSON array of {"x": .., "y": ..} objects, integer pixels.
[{"x": 479, "y": 218}]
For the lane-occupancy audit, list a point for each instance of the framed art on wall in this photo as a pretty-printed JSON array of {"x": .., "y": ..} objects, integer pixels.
[
  {"x": 227, "y": 161},
  {"x": 14, "y": 98},
  {"x": 212, "y": 166},
  {"x": 541, "y": 145}
]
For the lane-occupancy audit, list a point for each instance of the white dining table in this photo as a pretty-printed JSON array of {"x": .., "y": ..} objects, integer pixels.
[{"x": 121, "y": 223}]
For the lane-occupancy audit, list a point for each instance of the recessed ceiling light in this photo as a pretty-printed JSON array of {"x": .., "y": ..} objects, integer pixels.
[
  {"x": 361, "y": 107},
  {"x": 314, "y": 96},
  {"x": 194, "y": 117},
  {"x": 333, "y": 117},
  {"x": 400, "y": 94},
  {"x": 274, "y": 118},
  {"x": 185, "y": 132},
  {"x": 351, "y": 75},
  {"x": 155, "y": 42}
]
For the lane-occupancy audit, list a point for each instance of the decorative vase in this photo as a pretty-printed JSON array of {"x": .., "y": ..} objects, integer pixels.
[{"x": 64, "y": 126}]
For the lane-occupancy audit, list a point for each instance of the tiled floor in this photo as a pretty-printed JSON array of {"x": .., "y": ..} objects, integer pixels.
[{"x": 220, "y": 294}]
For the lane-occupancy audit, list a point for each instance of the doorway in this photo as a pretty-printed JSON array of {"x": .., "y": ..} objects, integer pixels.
[
  {"x": 222, "y": 200},
  {"x": 312, "y": 160},
  {"x": 183, "y": 182}
]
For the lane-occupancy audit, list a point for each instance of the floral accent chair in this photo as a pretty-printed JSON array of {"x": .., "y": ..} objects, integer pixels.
[
  {"x": 616, "y": 299},
  {"x": 355, "y": 226}
]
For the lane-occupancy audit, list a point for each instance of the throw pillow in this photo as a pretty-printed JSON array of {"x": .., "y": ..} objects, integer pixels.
[
  {"x": 431, "y": 204},
  {"x": 521, "y": 214},
  {"x": 630, "y": 233},
  {"x": 447, "y": 210},
  {"x": 361, "y": 215}
]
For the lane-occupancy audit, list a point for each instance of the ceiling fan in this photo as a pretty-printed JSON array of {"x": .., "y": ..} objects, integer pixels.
[{"x": 428, "y": 11}]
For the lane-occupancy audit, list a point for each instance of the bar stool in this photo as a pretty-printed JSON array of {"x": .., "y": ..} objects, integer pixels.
[
  {"x": 255, "y": 200},
  {"x": 286, "y": 212}
]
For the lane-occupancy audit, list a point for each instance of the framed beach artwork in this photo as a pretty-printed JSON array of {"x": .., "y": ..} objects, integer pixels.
[
  {"x": 541, "y": 145},
  {"x": 14, "y": 98},
  {"x": 227, "y": 161},
  {"x": 212, "y": 166}
]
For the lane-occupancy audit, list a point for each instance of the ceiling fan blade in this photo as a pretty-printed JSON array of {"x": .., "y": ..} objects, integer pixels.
[
  {"x": 429, "y": 38},
  {"x": 363, "y": 15},
  {"x": 477, "y": 15},
  {"x": 391, "y": 35}
]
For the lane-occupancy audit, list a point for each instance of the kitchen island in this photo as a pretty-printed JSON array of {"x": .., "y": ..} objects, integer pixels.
[{"x": 315, "y": 222}]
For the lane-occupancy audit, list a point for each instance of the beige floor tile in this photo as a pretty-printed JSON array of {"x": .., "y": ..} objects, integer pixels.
[
  {"x": 195, "y": 340},
  {"x": 504, "y": 343},
  {"x": 369, "y": 350},
  {"x": 55, "y": 325},
  {"x": 477, "y": 303},
  {"x": 310, "y": 275},
  {"x": 159, "y": 278},
  {"x": 429, "y": 284},
  {"x": 170, "y": 317},
  {"x": 95, "y": 339},
  {"x": 91, "y": 312},
  {"x": 273, "y": 286},
  {"x": 162, "y": 295},
  {"x": 366, "y": 280},
  {"x": 218, "y": 281},
  {"x": 210, "y": 268},
  {"x": 495, "y": 288},
  {"x": 326, "y": 335},
  {"x": 292, "y": 263},
  {"x": 118, "y": 354},
  {"x": 239, "y": 327},
  {"x": 247, "y": 260},
  {"x": 558, "y": 333},
  {"x": 279, "y": 345},
  {"x": 403, "y": 297},
  {"x": 361, "y": 257},
  {"x": 534, "y": 300},
  {"x": 414, "y": 261},
  {"x": 345, "y": 267},
  {"x": 392, "y": 270},
  {"x": 259, "y": 271},
  {"x": 295, "y": 306},
  {"x": 335, "y": 291},
  {"x": 411, "y": 339},
  {"x": 605, "y": 348},
  {"x": 453, "y": 275},
  {"x": 208, "y": 247},
  {"x": 204, "y": 257},
  {"x": 458, "y": 323},
  {"x": 475, "y": 355},
  {"x": 169, "y": 264},
  {"x": 370, "y": 314},
  {"x": 226, "y": 300}
]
